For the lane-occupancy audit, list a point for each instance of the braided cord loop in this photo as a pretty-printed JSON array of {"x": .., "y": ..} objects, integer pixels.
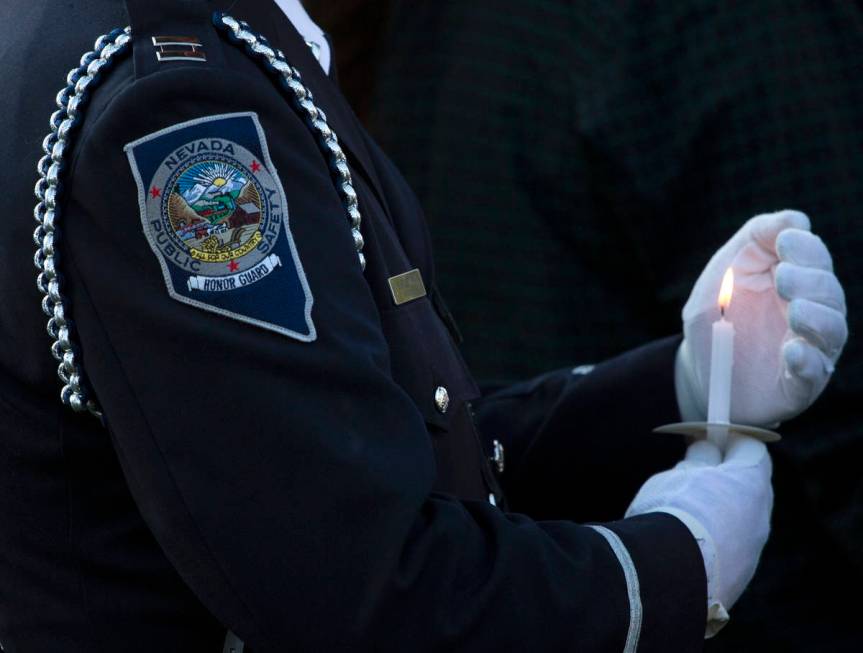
[
  {"x": 71, "y": 102},
  {"x": 273, "y": 61}
]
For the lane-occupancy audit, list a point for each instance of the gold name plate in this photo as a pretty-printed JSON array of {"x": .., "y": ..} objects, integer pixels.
[{"x": 407, "y": 287}]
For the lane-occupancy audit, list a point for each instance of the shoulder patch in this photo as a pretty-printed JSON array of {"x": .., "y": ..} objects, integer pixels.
[{"x": 215, "y": 215}]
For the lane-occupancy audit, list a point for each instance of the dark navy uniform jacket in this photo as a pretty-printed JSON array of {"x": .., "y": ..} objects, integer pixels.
[{"x": 308, "y": 495}]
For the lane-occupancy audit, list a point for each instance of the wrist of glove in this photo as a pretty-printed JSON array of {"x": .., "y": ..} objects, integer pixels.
[
  {"x": 726, "y": 504},
  {"x": 789, "y": 315}
]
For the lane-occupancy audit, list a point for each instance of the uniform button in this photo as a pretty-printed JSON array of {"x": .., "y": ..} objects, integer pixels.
[
  {"x": 492, "y": 500},
  {"x": 441, "y": 399},
  {"x": 497, "y": 456}
]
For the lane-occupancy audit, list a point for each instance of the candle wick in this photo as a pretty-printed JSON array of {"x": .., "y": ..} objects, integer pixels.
[{"x": 722, "y": 311}]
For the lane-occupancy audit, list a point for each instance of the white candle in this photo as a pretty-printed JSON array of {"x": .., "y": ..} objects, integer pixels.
[{"x": 721, "y": 363}]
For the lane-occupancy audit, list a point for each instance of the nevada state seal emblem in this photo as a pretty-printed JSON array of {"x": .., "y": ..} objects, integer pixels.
[{"x": 215, "y": 215}]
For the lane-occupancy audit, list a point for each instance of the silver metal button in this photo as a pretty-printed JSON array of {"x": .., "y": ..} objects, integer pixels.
[
  {"x": 498, "y": 456},
  {"x": 492, "y": 500},
  {"x": 441, "y": 399}
]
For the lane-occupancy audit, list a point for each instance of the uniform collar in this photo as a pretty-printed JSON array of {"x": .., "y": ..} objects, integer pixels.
[
  {"x": 266, "y": 17},
  {"x": 312, "y": 34}
]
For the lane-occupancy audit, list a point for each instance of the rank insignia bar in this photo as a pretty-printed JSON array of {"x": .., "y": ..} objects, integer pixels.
[{"x": 179, "y": 48}]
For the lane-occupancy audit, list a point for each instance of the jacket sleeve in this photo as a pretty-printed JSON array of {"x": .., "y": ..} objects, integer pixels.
[
  {"x": 578, "y": 441},
  {"x": 289, "y": 482}
]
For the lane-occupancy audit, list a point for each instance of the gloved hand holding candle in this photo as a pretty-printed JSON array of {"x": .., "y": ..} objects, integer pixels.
[
  {"x": 757, "y": 360},
  {"x": 726, "y": 504},
  {"x": 789, "y": 326}
]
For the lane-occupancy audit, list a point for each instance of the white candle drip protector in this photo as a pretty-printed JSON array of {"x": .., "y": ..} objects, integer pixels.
[{"x": 703, "y": 430}]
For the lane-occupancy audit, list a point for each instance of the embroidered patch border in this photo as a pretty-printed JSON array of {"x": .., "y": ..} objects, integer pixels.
[{"x": 215, "y": 214}]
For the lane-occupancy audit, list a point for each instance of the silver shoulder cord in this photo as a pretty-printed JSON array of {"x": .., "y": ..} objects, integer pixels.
[{"x": 72, "y": 100}]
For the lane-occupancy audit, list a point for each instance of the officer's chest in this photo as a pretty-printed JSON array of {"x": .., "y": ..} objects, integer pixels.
[{"x": 419, "y": 331}]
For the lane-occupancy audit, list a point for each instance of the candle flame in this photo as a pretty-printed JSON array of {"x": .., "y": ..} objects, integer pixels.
[{"x": 726, "y": 290}]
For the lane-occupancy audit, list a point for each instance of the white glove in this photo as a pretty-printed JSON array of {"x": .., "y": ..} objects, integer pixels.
[
  {"x": 788, "y": 310},
  {"x": 727, "y": 508}
]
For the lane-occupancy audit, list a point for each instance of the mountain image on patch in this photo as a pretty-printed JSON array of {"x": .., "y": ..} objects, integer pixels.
[{"x": 215, "y": 209}]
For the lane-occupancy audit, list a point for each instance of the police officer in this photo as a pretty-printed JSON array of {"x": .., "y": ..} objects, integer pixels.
[{"x": 265, "y": 422}]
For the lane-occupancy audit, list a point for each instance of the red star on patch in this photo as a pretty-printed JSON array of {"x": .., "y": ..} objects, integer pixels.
[
  {"x": 155, "y": 192},
  {"x": 255, "y": 166},
  {"x": 233, "y": 265}
]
